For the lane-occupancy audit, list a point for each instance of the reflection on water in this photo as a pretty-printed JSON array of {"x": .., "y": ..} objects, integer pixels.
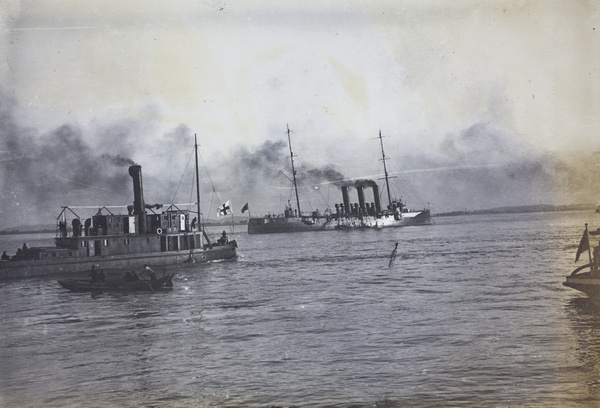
[{"x": 584, "y": 316}]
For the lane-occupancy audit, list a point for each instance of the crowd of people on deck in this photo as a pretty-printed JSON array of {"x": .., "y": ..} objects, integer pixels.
[{"x": 20, "y": 253}]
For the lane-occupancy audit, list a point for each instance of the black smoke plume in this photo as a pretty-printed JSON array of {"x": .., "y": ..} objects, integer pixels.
[
  {"x": 117, "y": 160},
  {"x": 326, "y": 174},
  {"x": 359, "y": 183},
  {"x": 267, "y": 162},
  {"x": 41, "y": 172}
]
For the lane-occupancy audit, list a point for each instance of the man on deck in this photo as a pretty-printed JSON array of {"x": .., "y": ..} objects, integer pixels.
[{"x": 223, "y": 240}]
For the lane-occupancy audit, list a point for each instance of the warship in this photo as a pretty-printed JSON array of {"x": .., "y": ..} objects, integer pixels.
[{"x": 347, "y": 214}]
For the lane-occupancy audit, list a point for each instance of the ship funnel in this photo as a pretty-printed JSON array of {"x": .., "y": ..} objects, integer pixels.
[
  {"x": 346, "y": 199},
  {"x": 361, "y": 198},
  {"x": 138, "y": 197},
  {"x": 376, "y": 198}
]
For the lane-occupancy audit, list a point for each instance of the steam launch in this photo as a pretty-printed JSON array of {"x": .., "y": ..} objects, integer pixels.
[
  {"x": 347, "y": 214},
  {"x": 147, "y": 234}
]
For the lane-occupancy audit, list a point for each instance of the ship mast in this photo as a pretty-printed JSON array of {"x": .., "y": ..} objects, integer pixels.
[
  {"x": 197, "y": 179},
  {"x": 383, "y": 159},
  {"x": 293, "y": 171}
]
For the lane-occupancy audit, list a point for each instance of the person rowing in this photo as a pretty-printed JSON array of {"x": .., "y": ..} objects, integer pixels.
[{"x": 150, "y": 272}]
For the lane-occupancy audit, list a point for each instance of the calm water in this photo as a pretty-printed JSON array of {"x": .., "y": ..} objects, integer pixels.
[{"x": 472, "y": 313}]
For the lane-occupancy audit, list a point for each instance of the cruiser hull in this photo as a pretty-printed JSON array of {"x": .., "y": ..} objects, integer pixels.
[
  {"x": 268, "y": 225},
  {"x": 389, "y": 221}
]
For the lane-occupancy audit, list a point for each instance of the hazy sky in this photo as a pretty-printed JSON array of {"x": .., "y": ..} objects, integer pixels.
[{"x": 482, "y": 104}]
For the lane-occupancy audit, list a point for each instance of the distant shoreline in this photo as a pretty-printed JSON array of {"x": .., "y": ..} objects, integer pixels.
[
  {"x": 537, "y": 208},
  {"x": 523, "y": 209}
]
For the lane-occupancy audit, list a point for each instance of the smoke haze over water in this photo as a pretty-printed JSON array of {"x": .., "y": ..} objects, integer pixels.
[
  {"x": 483, "y": 166},
  {"x": 41, "y": 172},
  {"x": 476, "y": 109}
]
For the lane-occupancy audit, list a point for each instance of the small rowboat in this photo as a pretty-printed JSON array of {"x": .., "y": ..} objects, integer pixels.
[{"x": 116, "y": 285}]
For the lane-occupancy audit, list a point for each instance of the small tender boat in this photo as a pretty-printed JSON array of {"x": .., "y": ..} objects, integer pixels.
[
  {"x": 588, "y": 281},
  {"x": 84, "y": 285},
  {"x": 119, "y": 282}
]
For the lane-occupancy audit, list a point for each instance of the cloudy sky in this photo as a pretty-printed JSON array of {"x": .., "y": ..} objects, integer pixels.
[{"x": 481, "y": 104}]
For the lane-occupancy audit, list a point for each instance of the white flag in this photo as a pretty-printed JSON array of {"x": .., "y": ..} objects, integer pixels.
[{"x": 224, "y": 209}]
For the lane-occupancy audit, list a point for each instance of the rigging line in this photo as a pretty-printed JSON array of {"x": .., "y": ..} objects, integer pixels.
[
  {"x": 312, "y": 180},
  {"x": 290, "y": 189},
  {"x": 411, "y": 187},
  {"x": 149, "y": 196},
  {"x": 408, "y": 188},
  {"x": 91, "y": 207},
  {"x": 307, "y": 198},
  {"x": 323, "y": 199},
  {"x": 207, "y": 174},
  {"x": 210, "y": 208},
  {"x": 215, "y": 194},
  {"x": 181, "y": 179},
  {"x": 192, "y": 186},
  {"x": 75, "y": 182},
  {"x": 415, "y": 193},
  {"x": 85, "y": 185},
  {"x": 128, "y": 197}
]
